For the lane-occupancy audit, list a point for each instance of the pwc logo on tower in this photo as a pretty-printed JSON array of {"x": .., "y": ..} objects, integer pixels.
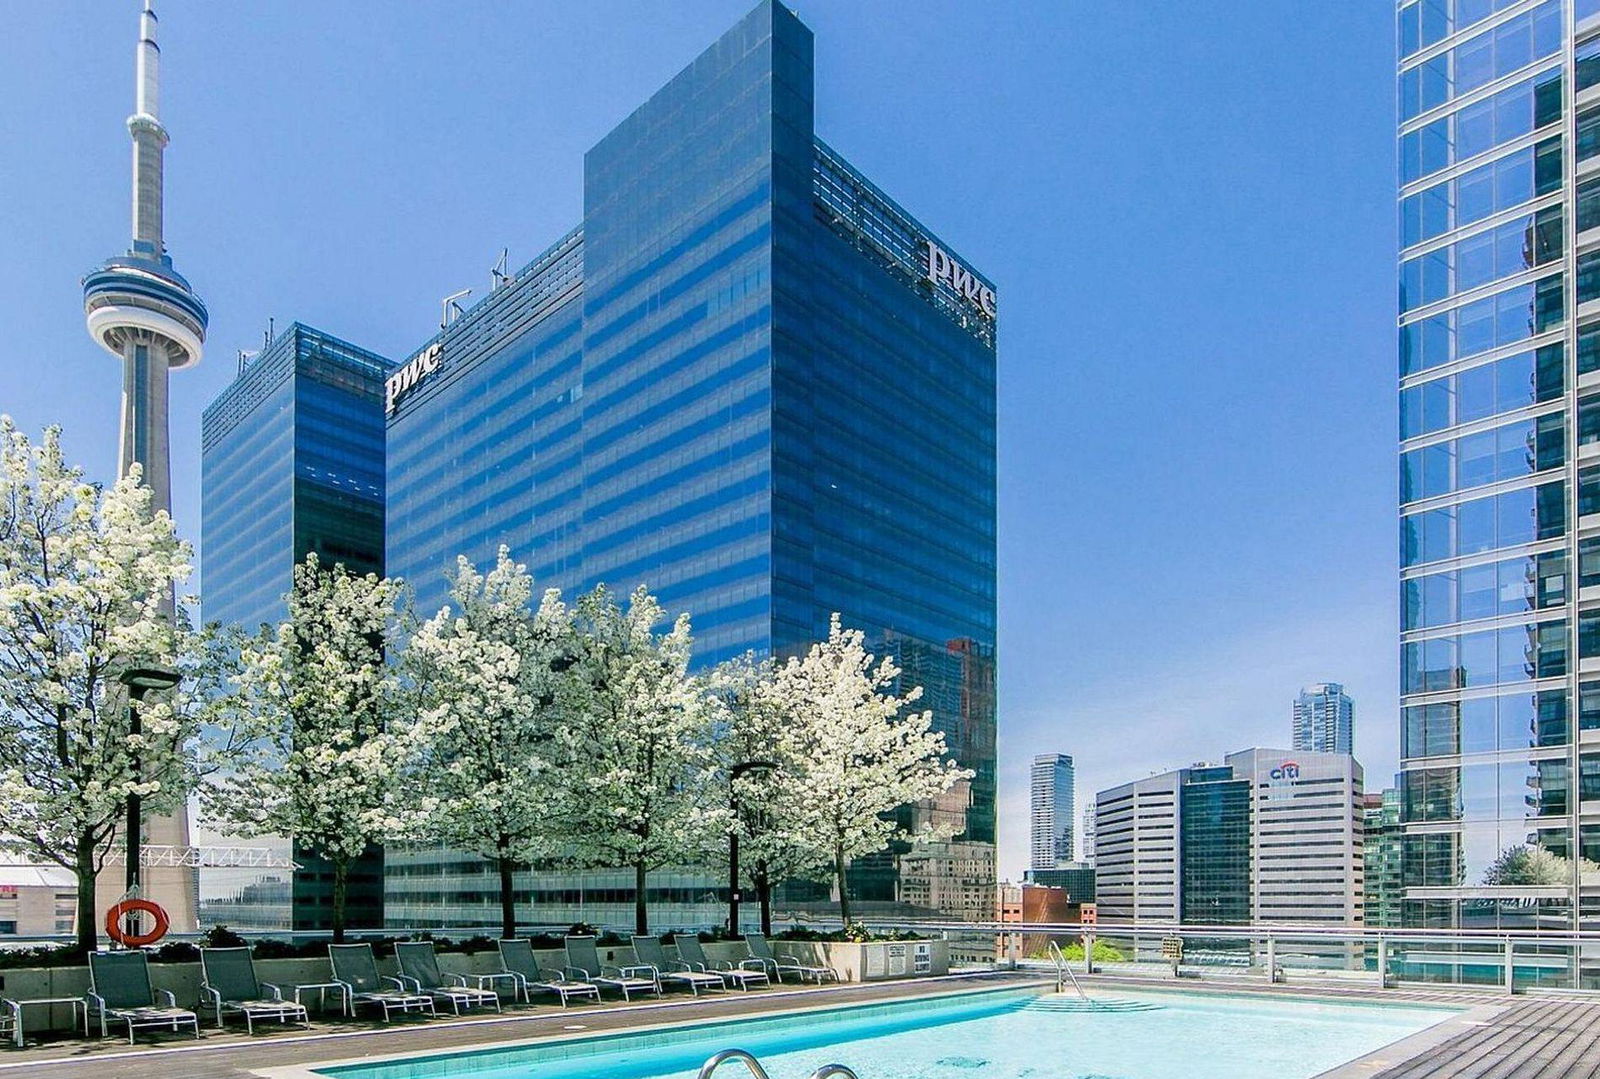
[
  {"x": 965, "y": 283},
  {"x": 416, "y": 369}
]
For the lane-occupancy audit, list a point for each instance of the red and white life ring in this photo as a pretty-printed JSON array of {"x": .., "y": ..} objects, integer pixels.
[{"x": 121, "y": 910}]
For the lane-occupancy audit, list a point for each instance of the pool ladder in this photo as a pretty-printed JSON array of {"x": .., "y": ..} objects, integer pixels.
[
  {"x": 827, "y": 1071},
  {"x": 1062, "y": 968}
]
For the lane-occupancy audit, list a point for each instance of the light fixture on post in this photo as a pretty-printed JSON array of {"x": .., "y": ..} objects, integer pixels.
[{"x": 140, "y": 681}]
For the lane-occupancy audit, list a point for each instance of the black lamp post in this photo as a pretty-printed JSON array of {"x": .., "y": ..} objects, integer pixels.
[
  {"x": 733, "y": 837},
  {"x": 140, "y": 681}
]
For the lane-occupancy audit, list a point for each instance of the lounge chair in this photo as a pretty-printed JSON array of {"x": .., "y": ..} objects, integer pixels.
[
  {"x": 648, "y": 951},
  {"x": 518, "y": 964},
  {"x": 583, "y": 962},
  {"x": 743, "y": 975},
  {"x": 779, "y": 965},
  {"x": 419, "y": 967},
  {"x": 228, "y": 982},
  {"x": 356, "y": 971},
  {"x": 120, "y": 990}
]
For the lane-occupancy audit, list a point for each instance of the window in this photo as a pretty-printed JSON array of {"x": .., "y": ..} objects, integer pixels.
[
  {"x": 1481, "y": 126},
  {"x": 1477, "y": 260},
  {"x": 1492, "y": 321},
  {"x": 1493, "y": 54},
  {"x": 1514, "y": 382}
]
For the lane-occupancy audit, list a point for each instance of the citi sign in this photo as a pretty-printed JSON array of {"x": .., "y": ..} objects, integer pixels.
[
  {"x": 941, "y": 267},
  {"x": 1286, "y": 770},
  {"x": 420, "y": 367}
]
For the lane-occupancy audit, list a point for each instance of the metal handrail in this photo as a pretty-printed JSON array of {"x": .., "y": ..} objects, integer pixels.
[
  {"x": 829, "y": 1070},
  {"x": 1062, "y": 966},
  {"x": 717, "y": 1060}
]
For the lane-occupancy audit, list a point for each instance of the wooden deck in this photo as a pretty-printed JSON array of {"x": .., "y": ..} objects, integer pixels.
[
  {"x": 1534, "y": 1039},
  {"x": 1494, "y": 1037}
]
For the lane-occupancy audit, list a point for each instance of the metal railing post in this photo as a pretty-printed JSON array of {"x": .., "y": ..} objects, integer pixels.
[
  {"x": 1383, "y": 962},
  {"x": 1088, "y": 952},
  {"x": 1511, "y": 968},
  {"x": 1272, "y": 960}
]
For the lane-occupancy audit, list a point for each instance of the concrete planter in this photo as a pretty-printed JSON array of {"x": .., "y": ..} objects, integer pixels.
[{"x": 874, "y": 961}]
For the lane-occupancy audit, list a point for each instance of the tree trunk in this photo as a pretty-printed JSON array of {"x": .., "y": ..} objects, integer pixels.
[
  {"x": 641, "y": 921},
  {"x": 341, "y": 882},
  {"x": 88, "y": 929},
  {"x": 844, "y": 892},
  {"x": 508, "y": 903}
]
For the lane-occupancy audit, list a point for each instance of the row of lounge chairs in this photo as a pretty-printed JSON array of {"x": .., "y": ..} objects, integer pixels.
[{"x": 121, "y": 992}]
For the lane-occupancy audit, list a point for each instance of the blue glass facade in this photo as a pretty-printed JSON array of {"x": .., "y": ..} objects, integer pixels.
[
  {"x": 292, "y": 461},
  {"x": 750, "y": 381},
  {"x": 1499, "y": 144}
]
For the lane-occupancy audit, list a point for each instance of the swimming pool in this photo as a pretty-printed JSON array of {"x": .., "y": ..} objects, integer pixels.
[{"x": 1013, "y": 1034}]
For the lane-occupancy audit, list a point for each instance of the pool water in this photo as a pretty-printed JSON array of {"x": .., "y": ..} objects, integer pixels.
[{"x": 973, "y": 1036}]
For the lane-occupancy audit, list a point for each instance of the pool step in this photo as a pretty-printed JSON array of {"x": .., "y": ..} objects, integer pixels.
[{"x": 1070, "y": 1003}]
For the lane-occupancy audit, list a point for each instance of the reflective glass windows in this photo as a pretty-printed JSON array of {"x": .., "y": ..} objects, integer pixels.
[
  {"x": 1481, "y": 126},
  {"x": 1492, "y": 54},
  {"x": 1484, "y": 657},
  {"x": 1512, "y": 586},
  {"x": 1481, "y": 258},
  {"x": 1519, "y": 380},
  {"x": 1484, "y": 524},
  {"x": 1498, "y": 453},
  {"x": 1500, "y": 184},
  {"x": 1504, "y": 318},
  {"x": 1519, "y": 720}
]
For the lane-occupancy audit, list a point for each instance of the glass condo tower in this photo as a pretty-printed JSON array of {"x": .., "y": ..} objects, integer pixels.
[{"x": 1499, "y": 350}]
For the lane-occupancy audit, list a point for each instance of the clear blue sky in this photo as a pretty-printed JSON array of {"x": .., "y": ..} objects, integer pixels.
[{"x": 1188, "y": 209}]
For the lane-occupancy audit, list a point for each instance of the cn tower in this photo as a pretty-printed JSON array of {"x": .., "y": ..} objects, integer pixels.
[{"x": 142, "y": 311}]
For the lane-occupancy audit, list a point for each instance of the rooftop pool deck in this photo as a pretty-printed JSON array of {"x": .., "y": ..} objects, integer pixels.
[{"x": 1421, "y": 1033}]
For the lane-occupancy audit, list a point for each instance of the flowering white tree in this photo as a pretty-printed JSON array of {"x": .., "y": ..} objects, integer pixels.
[
  {"x": 855, "y": 753},
  {"x": 314, "y": 702},
  {"x": 756, "y": 775},
  {"x": 484, "y": 672},
  {"x": 633, "y": 751},
  {"x": 85, "y": 578}
]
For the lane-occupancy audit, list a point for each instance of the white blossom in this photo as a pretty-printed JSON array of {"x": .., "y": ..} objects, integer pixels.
[
  {"x": 315, "y": 698},
  {"x": 854, "y": 752},
  {"x": 86, "y": 577},
  {"x": 633, "y": 757},
  {"x": 485, "y": 672}
]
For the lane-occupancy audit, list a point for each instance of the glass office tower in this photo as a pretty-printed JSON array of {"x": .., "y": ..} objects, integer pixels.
[
  {"x": 291, "y": 462},
  {"x": 753, "y": 382},
  {"x": 1499, "y": 138}
]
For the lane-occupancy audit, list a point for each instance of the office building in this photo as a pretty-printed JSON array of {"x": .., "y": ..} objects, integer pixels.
[
  {"x": 1050, "y": 810},
  {"x": 1074, "y": 878},
  {"x": 1499, "y": 364},
  {"x": 1381, "y": 873},
  {"x": 36, "y": 900},
  {"x": 141, "y": 310},
  {"x": 1324, "y": 719},
  {"x": 291, "y": 462},
  {"x": 1266, "y": 836},
  {"x": 1086, "y": 843},
  {"x": 753, "y": 382}
]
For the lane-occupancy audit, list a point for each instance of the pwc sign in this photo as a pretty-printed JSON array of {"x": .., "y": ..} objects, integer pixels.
[
  {"x": 941, "y": 267},
  {"x": 416, "y": 369}
]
